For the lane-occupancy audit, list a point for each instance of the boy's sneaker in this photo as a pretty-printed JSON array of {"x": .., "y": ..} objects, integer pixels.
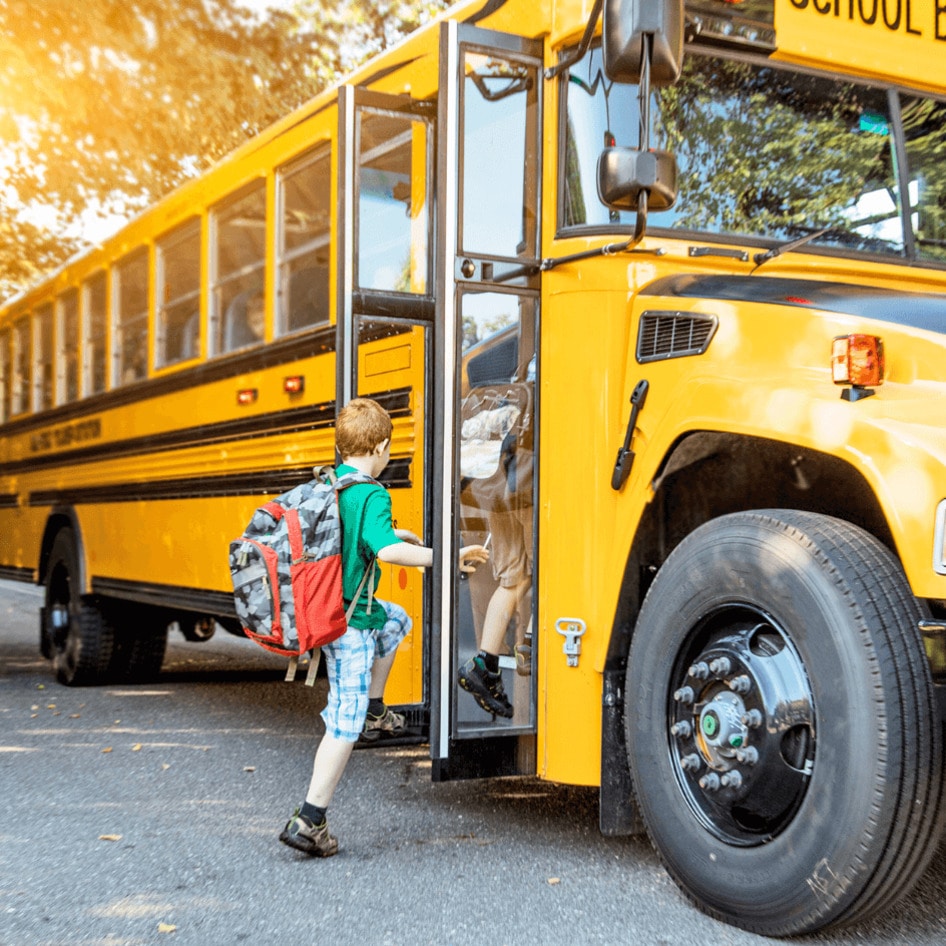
[
  {"x": 306, "y": 836},
  {"x": 388, "y": 723},
  {"x": 486, "y": 687}
]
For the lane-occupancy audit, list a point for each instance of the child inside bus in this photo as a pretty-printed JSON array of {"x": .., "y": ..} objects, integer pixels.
[{"x": 358, "y": 663}]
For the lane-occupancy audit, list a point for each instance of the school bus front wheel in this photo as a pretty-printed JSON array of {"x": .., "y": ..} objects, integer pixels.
[{"x": 783, "y": 747}]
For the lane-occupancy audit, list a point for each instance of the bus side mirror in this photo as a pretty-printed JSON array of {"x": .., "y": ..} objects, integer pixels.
[
  {"x": 623, "y": 173},
  {"x": 625, "y": 24}
]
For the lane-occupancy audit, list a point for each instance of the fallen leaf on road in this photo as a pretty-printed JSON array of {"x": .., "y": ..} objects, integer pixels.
[
  {"x": 552, "y": 881},
  {"x": 166, "y": 928},
  {"x": 107, "y": 749},
  {"x": 110, "y": 837},
  {"x": 249, "y": 768},
  {"x": 136, "y": 747}
]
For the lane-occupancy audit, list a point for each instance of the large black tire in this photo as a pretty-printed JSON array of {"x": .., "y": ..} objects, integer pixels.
[
  {"x": 76, "y": 630},
  {"x": 781, "y": 727},
  {"x": 140, "y": 642}
]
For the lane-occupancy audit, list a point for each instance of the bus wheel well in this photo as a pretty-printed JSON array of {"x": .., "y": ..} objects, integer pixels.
[
  {"x": 707, "y": 474},
  {"x": 60, "y": 519}
]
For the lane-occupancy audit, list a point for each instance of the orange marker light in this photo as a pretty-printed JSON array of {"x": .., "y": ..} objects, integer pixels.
[
  {"x": 858, "y": 360},
  {"x": 247, "y": 396},
  {"x": 294, "y": 384}
]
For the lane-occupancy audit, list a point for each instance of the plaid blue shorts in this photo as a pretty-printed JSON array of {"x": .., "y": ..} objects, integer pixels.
[{"x": 348, "y": 663}]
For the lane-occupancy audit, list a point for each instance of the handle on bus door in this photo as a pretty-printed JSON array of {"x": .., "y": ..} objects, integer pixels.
[{"x": 625, "y": 458}]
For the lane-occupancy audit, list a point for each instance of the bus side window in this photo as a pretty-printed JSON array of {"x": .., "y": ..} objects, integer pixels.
[
  {"x": 5, "y": 379},
  {"x": 239, "y": 265},
  {"x": 304, "y": 197},
  {"x": 67, "y": 347},
  {"x": 94, "y": 320},
  {"x": 178, "y": 275},
  {"x": 43, "y": 378},
  {"x": 20, "y": 396},
  {"x": 130, "y": 291}
]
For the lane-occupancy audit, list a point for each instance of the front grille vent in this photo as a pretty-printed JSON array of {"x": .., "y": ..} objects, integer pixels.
[{"x": 673, "y": 335}]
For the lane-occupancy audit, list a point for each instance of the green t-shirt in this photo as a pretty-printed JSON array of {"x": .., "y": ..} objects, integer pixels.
[{"x": 367, "y": 527}]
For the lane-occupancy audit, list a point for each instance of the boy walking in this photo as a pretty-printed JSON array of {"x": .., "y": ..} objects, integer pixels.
[{"x": 358, "y": 663}]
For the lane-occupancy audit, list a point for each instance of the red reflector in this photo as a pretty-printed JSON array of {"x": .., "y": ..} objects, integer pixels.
[
  {"x": 294, "y": 384},
  {"x": 247, "y": 396},
  {"x": 857, "y": 360},
  {"x": 799, "y": 300}
]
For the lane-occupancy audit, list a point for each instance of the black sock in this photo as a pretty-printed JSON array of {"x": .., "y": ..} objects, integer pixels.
[
  {"x": 315, "y": 814},
  {"x": 376, "y": 707},
  {"x": 490, "y": 661}
]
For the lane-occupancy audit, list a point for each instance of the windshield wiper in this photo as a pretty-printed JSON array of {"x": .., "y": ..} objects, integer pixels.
[{"x": 761, "y": 258}]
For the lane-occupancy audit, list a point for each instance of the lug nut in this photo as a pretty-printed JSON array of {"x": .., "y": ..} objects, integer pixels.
[
  {"x": 721, "y": 666},
  {"x": 732, "y": 779},
  {"x": 700, "y": 670},
  {"x": 741, "y": 684},
  {"x": 710, "y": 782},
  {"x": 749, "y": 755},
  {"x": 752, "y": 719},
  {"x": 684, "y": 695},
  {"x": 682, "y": 729},
  {"x": 690, "y": 763}
]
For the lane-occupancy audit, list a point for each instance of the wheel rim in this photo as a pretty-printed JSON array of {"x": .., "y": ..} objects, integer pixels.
[
  {"x": 59, "y": 614},
  {"x": 741, "y": 725}
]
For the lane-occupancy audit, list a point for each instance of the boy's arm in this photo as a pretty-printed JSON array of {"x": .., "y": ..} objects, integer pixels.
[{"x": 404, "y": 553}]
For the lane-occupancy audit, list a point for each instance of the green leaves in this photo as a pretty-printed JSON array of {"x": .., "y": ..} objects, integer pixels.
[{"x": 110, "y": 104}]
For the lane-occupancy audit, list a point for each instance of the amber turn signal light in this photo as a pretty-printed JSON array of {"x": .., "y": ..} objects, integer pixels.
[{"x": 857, "y": 360}]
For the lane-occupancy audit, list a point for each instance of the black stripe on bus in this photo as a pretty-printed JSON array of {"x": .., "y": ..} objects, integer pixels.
[
  {"x": 16, "y": 573},
  {"x": 311, "y": 417},
  {"x": 260, "y": 483},
  {"x": 9, "y": 501}
]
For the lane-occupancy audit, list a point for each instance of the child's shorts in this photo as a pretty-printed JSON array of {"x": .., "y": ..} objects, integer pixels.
[{"x": 348, "y": 663}]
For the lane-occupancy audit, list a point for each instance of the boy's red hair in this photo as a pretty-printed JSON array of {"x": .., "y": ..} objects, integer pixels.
[{"x": 362, "y": 424}]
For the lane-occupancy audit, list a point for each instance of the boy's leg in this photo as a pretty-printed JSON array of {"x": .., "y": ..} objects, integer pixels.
[
  {"x": 380, "y": 719},
  {"x": 348, "y": 664},
  {"x": 330, "y": 760}
]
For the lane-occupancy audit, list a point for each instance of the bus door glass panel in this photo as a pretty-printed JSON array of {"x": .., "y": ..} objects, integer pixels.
[
  {"x": 499, "y": 162},
  {"x": 304, "y": 198},
  {"x": 392, "y": 213},
  {"x": 496, "y": 498},
  {"x": 391, "y": 367}
]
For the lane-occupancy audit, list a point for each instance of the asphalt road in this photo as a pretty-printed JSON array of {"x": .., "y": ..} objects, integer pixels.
[{"x": 149, "y": 815}]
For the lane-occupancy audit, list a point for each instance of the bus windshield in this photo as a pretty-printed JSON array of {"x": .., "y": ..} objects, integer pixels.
[{"x": 766, "y": 152}]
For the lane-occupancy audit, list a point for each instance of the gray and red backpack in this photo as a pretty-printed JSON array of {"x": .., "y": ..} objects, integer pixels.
[{"x": 287, "y": 567}]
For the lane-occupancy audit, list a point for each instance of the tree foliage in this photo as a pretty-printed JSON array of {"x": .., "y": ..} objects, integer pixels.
[{"x": 107, "y": 105}]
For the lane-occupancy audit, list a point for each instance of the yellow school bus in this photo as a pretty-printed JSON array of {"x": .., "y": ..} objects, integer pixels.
[{"x": 656, "y": 295}]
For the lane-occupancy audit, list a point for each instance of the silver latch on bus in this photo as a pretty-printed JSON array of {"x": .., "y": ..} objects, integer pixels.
[{"x": 571, "y": 629}]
